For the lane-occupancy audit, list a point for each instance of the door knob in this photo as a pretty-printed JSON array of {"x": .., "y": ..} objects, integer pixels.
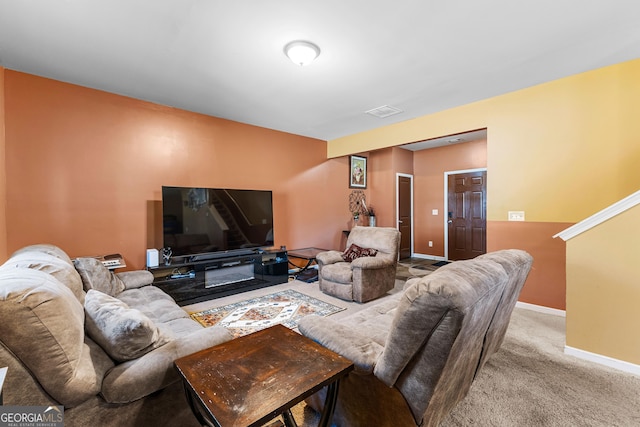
[{"x": 450, "y": 222}]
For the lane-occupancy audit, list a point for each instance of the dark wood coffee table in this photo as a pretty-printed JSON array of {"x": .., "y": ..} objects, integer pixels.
[{"x": 253, "y": 379}]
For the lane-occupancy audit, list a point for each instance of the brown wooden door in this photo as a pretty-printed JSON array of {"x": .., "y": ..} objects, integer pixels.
[
  {"x": 404, "y": 215},
  {"x": 466, "y": 216}
]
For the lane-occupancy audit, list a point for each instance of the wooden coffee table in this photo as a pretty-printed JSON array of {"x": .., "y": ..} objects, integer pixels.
[{"x": 253, "y": 379}]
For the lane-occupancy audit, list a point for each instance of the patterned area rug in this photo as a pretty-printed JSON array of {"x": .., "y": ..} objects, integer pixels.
[{"x": 244, "y": 317}]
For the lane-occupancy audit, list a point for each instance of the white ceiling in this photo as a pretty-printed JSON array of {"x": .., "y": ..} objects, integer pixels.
[{"x": 225, "y": 58}]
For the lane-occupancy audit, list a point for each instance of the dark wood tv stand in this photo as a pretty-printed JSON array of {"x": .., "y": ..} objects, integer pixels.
[{"x": 194, "y": 279}]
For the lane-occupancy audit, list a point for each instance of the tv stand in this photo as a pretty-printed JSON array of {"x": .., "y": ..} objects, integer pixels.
[
  {"x": 196, "y": 280},
  {"x": 216, "y": 255}
]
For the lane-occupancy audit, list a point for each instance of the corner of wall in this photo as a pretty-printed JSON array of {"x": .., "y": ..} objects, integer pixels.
[{"x": 3, "y": 176}]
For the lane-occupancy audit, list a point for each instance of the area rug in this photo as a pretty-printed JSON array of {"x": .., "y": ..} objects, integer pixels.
[
  {"x": 405, "y": 271},
  {"x": 286, "y": 307}
]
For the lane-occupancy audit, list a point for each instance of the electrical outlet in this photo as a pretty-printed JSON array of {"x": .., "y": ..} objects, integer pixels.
[
  {"x": 516, "y": 215},
  {"x": 430, "y": 244},
  {"x": 434, "y": 211}
]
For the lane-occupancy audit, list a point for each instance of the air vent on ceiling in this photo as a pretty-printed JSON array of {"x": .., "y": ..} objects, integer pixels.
[{"x": 384, "y": 111}]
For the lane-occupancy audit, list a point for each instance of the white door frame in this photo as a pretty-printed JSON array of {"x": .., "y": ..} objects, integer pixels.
[
  {"x": 405, "y": 175},
  {"x": 446, "y": 205}
]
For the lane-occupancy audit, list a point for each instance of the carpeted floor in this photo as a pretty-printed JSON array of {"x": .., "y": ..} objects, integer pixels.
[
  {"x": 531, "y": 382},
  {"x": 528, "y": 382}
]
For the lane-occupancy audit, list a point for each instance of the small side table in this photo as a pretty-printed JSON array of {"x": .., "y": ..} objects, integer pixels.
[
  {"x": 308, "y": 254},
  {"x": 250, "y": 380}
]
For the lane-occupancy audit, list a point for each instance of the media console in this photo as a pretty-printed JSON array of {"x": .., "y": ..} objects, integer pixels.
[{"x": 202, "y": 277}]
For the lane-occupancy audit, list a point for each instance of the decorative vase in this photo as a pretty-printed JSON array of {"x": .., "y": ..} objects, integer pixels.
[
  {"x": 166, "y": 255},
  {"x": 372, "y": 221}
]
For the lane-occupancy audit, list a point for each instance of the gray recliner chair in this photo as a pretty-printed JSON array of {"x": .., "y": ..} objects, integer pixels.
[
  {"x": 364, "y": 278},
  {"x": 417, "y": 352}
]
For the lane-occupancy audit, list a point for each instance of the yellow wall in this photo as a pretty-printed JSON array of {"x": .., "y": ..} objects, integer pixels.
[
  {"x": 603, "y": 288},
  {"x": 559, "y": 151}
]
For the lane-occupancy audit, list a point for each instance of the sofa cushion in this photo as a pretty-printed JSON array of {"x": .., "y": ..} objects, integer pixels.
[
  {"x": 339, "y": 272},
  {"x": 39, "y": 258},
  {"x": 135, "y": 279},
  {"x": 154, "y": 303},
  {"x": 96, "y": 276},
  {"x": 42, "y": 323},
  {"x": 354, "y": 251},
  {"x": 124, "y": 333}
]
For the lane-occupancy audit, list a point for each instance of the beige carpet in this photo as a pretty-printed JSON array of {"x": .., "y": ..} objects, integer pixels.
[
  {"x": 528, "y": 382},
  {"x": 531, "y": 382}
]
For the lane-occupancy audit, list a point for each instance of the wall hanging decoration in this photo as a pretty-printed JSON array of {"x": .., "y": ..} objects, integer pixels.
[
  {"x": 357, "y": 172},
  {"x": 357, "y": 205}
]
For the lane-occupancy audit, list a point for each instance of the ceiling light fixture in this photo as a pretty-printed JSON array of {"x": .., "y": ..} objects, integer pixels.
[{"x": 301, "y": 52}]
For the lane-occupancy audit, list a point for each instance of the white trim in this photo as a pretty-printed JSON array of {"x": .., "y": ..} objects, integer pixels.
[
  {"x": 541, "y": 309},
  {"x": 3, "y": 374},
  {"x": 398, "y": 175},
  {"x": 446, "y": 205},
  {"x": 432, "y": 257},
  {"x": 600, "y": 217},
  {"x": 603, "y": 360}
]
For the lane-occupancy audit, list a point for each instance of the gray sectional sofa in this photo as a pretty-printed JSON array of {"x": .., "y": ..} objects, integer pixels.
[
  {"x": 418, "y": 352},
  {"x": 100, "y": 344}
]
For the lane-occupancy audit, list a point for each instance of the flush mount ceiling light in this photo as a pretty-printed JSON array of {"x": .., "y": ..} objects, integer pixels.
[{"x": 301, "y": 52}]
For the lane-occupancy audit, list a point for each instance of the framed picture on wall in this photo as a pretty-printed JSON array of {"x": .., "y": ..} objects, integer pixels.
[{"x": 357, "y": 172}]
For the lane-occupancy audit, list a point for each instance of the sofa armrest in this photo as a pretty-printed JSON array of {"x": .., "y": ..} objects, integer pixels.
[
  {"x": 329, "y": 257},
  {"x": 135, "y": 279},
  {"x": 155, "y": 370},
  {"x": 358, "y": 348},
  {"x": 371, "y": 263},
  {"x": 410, "y": 282}
]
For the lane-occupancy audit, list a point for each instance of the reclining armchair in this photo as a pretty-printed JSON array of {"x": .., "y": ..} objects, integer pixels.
[
  {"x": 365, "y": 277},
  {"x": 417, "y": 352}
]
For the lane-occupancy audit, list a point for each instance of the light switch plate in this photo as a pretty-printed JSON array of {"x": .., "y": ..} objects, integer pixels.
[
  {"x": 516, "y": 215},
  {"x": 434, "y": 212}
]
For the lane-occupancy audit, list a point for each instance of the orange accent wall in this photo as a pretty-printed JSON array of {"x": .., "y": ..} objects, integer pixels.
[
  {"x": 383, "y": 167},
  {"x": 3, "y": 175},
  {"x": 546, "y": 284},
  {"x": 428, "y": 188},
  {"x": 84, "y": 170}
]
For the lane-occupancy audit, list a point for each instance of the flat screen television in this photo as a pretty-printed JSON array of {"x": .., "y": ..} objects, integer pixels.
[{"x": 216, "y": 220}]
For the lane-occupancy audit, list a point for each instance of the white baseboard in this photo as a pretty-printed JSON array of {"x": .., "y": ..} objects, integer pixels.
[
  {"x": 541, "y": 309},
  {"x": 603, "y": 360}
]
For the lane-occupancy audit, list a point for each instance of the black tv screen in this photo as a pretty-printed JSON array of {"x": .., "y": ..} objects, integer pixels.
[{"x": 203, "y": 220}]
